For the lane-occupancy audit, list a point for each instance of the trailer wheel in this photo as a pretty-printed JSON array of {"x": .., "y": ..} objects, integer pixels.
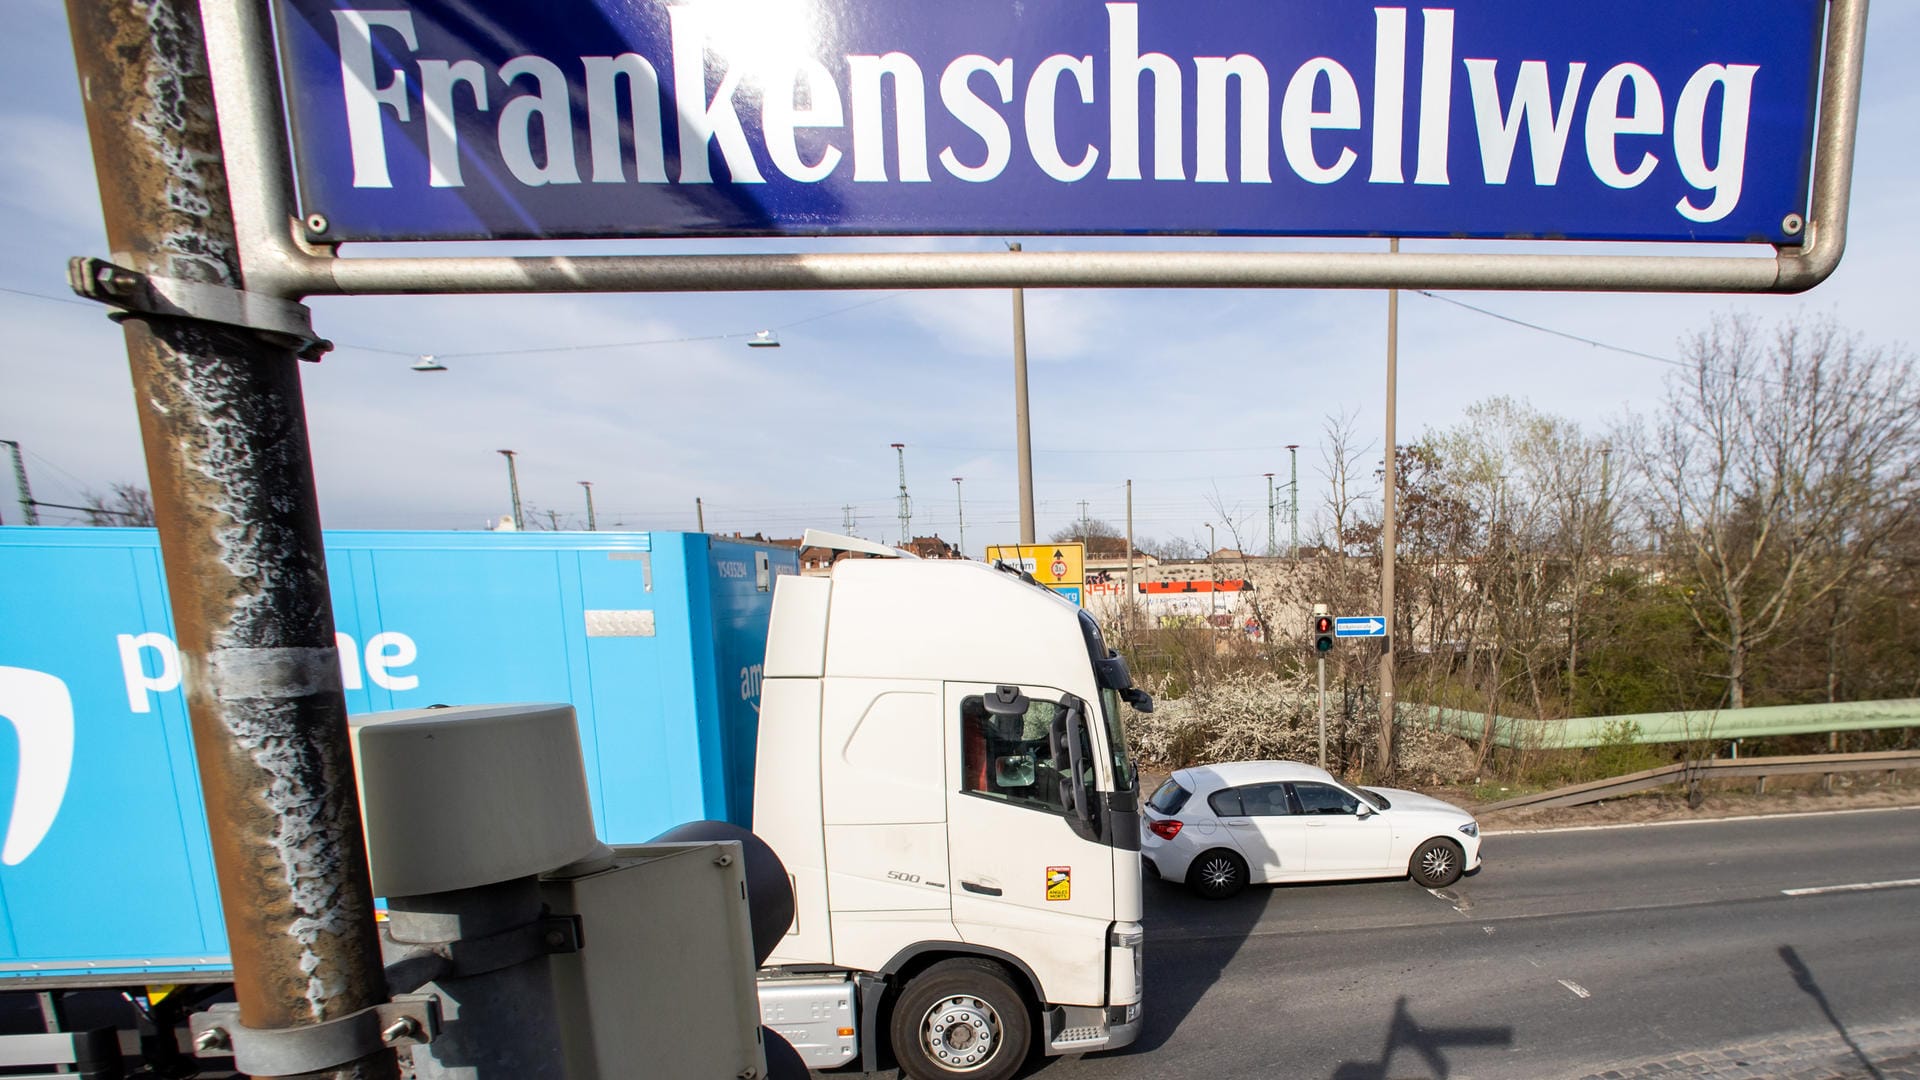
[{"x": 961, "y": 1018}]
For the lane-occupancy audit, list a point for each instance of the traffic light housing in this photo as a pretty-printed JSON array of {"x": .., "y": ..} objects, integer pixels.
[{"x": 1322, "y": 633}]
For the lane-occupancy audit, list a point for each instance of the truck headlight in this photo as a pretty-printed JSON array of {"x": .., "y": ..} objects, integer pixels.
[{"x": 1471, "y": 828}]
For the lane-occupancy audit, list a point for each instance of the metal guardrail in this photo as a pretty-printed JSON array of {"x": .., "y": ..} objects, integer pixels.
[
  {"x": 1716, "y": 768},
  {"x": 1671, "y": 727}
]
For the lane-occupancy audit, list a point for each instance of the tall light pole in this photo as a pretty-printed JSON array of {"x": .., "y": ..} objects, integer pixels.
[
  {"x": 591, "y": 526},
  {"x": 1293, "y": 498},
  {"x": 1270, "y": 509},
  {"x": 1023, "y": 431},
  {"x": 28, "y": 508},
  {"x": 960, "y": 509},
  {"x": 1213, "y": 586},
  {"x": 1388, "y": 534},
  {"x": 906, "y": 506},
  {"x": 513, "y": 485},
  {"x": 1130, "y": 589}
]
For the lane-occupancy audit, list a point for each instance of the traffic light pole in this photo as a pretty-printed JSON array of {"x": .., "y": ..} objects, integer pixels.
[{"x": 1323, "y": 712}]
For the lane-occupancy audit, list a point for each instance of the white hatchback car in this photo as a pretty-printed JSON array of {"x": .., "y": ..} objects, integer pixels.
[{"x": 1219, "y": 827}]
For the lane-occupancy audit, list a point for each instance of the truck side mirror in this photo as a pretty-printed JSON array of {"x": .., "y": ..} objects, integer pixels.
[{"x": 1067, "y": 739}]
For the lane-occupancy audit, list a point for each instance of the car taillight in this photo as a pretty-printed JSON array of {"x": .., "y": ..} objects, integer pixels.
[{"x": 1165, "y": 830}]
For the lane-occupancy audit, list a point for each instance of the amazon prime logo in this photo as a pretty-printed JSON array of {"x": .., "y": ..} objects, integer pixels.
[{"x": 41, "y": 711}]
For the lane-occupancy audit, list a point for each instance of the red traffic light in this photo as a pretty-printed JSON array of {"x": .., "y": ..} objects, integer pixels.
[{"x": 1323, "y": 624}]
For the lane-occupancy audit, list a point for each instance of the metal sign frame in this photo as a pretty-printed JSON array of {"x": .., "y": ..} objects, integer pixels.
[{"x": 278, "y": 259}]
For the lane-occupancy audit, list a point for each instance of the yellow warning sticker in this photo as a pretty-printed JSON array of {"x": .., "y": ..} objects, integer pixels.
[{"x": 1059, "y": 882}]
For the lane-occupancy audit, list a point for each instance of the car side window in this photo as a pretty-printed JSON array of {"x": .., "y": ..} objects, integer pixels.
[
  {"x": 1265, "y": 800},
  {"x": 1009, "y": 758},
  {"x": 1226, "y": 803},
  {"x": 1325, "y": 799}
]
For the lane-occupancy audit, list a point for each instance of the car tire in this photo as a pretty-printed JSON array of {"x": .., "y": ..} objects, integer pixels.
[
  {"x": 961, "y": 1018},
  {"x": 1437, "y": 863},
  {"x": 1217, "y": 874}
]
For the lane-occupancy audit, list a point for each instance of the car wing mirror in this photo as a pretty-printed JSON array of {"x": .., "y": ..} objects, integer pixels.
[{"x": 1364, "y": 812}]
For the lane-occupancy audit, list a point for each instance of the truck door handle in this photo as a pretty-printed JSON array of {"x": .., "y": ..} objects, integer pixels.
[{"x": 984, "y": 890}]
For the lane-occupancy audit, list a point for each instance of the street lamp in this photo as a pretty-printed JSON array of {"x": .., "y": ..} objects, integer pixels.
[
  {"x": 513, "y": 485},
  {"x": 1270, "y": 509},
  {"x": 1213, "y": 587},
  {"x": 1293, "y": 499},
  {"x": 591, "y": 526},
  {"x": 960, "y": 508},
  {"x": 428, "y": 363},
  {"x": 1023, "y": 431}
]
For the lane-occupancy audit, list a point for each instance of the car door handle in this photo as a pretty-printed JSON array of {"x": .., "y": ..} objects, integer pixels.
[
  {"x": 983, "y": 890},
  {"x": 1237, "y": 821},
  {"x": 1316, "y": 824}
]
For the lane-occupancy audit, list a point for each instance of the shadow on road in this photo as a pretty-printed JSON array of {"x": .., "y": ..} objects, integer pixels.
[
  {"x": 1190, "y": 942},
  {"x": 1803, "y": 978},
  {"x": 1406, "y": 1033}
]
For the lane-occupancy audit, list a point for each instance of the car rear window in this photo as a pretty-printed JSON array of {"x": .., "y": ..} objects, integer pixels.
[{"x": 1170, "y": 798}]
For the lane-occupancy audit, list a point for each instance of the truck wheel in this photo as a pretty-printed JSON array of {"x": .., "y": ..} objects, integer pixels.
[{"x": 961, "y": 1018}]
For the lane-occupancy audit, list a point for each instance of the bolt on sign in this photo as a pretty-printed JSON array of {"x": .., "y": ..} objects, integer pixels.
[
  {"x": 1650, "y": 120},
  {"x": 1060, "y": 567}
]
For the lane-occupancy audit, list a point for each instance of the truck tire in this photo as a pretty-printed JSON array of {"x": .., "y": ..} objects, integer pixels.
[{"x": 961, "y": 1018}]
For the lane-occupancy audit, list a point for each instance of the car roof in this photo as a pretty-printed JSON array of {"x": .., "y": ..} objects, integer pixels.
[{"x": 1234, "y": 773}]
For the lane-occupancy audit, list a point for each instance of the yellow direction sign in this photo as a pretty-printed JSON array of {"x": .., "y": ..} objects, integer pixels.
[{"x": 1060, "y": 567}]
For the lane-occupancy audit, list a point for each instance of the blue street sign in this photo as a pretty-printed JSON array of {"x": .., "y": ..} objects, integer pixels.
[
  {"x": 1687, "y": 120},
  {"x": 1359, "y": 626}
]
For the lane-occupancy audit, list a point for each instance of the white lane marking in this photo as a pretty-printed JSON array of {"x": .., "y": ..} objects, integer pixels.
[
  {"x": 1858, "y": 886},
  {"x": 1691, "y": 821},
  {"x": 1578, "y": 990},
  {"x": 1488, "y": 929},
  {"x": 1531, "y": 960}
]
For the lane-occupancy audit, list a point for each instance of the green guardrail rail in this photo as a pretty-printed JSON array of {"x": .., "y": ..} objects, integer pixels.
[{"x": 1671, "y": 727}]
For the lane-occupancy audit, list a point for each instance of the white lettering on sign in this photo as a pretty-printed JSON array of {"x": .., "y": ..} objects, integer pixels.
[
  {"x": 729, "y": 568},
  {"x": 386, "y": 652},
  {"x": 816, "y": 113}
]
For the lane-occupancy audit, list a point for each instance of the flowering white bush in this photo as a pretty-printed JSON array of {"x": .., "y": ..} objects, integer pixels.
[{"x": 1245, "y": 716}]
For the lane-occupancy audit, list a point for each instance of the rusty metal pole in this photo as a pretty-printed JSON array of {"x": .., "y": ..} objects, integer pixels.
[{"x": 225, "y": 433}]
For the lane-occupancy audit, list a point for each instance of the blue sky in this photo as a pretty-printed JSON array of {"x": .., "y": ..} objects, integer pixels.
[{"x": 1190, "y": 394}]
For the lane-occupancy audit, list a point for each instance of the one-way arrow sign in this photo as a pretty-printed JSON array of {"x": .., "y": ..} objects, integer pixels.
[{"x": 1359, "y": 626}]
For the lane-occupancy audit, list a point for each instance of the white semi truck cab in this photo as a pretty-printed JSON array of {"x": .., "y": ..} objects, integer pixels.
[{"x": 943, "y": 769}]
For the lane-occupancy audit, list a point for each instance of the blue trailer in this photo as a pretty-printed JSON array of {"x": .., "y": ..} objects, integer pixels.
[{"x": 106, "y": 871}]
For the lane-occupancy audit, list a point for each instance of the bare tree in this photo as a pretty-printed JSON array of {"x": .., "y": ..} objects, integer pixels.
[
  {"x": 128, "y": 505},
  {"x": 1779, "y": 466}
]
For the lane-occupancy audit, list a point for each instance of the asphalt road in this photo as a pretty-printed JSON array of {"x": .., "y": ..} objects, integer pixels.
[{"x": 1569, "y": 953}]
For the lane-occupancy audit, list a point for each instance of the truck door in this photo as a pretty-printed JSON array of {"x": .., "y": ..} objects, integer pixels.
[{"x": 1023, "y": 880}]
